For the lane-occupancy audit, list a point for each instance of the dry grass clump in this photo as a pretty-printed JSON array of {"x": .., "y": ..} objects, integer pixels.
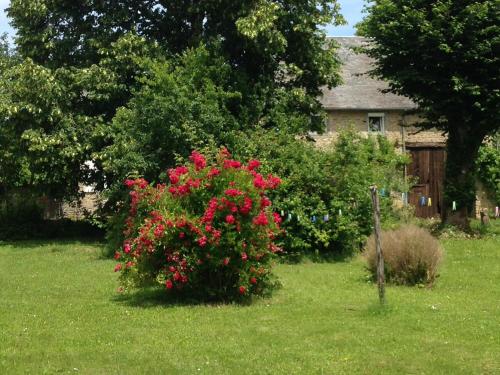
[{"x": 411, "y": 254}]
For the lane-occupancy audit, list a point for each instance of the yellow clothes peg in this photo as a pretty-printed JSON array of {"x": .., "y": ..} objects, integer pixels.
[{"x": 429, "y": 202}]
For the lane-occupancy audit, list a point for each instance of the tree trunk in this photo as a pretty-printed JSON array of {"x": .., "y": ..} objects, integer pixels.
[{"x": 459, "y": 185}]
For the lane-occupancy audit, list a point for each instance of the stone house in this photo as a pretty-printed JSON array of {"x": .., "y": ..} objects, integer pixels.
[{"x": 360, "y": 102}]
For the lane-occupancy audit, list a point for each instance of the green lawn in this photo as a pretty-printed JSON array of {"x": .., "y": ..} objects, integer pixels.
[{"x": 59, "y": 313}]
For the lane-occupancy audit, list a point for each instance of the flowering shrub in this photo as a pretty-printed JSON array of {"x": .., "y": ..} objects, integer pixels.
[{"x": 208, "y": 233}]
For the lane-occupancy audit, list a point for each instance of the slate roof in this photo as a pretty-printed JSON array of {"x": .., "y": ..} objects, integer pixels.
[{"x": 359, "y": 91}]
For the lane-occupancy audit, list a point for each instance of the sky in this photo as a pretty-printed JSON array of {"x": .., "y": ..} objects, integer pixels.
[{"x": 351, "y": 9}]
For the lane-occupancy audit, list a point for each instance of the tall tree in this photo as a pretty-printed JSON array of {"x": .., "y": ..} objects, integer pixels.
[
  {"x": 445, "y": 55},
  {"x": 274, "y": 50},
  {"x": 264, "y": 40}
]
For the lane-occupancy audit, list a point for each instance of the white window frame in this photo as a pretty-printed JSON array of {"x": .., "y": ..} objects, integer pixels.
[{"x": 380, "y": 115}]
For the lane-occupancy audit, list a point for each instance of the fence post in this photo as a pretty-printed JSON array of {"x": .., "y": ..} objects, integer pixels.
[{"x": 380, "y": 257}]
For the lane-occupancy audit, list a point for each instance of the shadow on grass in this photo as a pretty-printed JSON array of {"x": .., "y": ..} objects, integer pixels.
[
  {"x": 318, "y": 257},
  {"x": 52, "y": 243},
  {"x": 154, "y": 297}
]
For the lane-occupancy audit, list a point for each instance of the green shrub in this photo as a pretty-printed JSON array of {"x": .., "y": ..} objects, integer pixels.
[
  {"x": 411, "y": 255},
  {"x": 488, "y": 168},
  {"x": 332, "y": 182},
  {"x": 22, "y": 218},
  {"x": 208, "y": 234}
]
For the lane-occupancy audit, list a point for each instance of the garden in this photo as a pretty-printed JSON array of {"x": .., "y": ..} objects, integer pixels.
[
  {"x": 61, "y": 313},
  {"x": 224, "y": 237}
]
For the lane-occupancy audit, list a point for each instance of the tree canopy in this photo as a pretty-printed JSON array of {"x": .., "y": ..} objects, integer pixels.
[
  {"x": 259, "y": 37},
  {"x": 101, "y": 56},
  {"x": 445, "y": 55}
]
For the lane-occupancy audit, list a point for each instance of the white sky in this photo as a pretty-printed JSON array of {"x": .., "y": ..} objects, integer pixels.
[{"x": 351, "y": 9}]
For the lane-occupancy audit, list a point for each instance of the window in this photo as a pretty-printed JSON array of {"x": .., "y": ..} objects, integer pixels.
[{"x": 376, "y": 122}]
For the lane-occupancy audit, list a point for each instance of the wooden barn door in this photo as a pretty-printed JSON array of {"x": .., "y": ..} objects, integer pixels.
[{"x": 427, "y": 166}]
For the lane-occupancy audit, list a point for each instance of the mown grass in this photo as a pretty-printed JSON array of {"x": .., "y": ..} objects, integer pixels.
[{"x": 60, "y": 313}]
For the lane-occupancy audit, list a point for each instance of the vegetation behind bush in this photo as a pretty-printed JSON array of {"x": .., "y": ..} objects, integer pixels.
[
  {"x": 22, "y": 218},
  {"x": 411, "y": 255},
  {"x": 333, "y": 182},
  {"x": 488, "y": 168}
]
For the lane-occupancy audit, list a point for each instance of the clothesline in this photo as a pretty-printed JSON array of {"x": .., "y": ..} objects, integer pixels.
[{"x": 423, "y": 201}]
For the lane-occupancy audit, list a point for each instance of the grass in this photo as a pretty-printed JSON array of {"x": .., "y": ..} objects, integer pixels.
[{"x": 60, "y": 313}]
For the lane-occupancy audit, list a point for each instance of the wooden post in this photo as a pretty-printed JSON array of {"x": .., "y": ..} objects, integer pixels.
[{"x": 380, "y": 256}]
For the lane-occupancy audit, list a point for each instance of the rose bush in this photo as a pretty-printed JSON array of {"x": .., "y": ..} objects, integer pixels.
[{"x": 208, "y": 233}]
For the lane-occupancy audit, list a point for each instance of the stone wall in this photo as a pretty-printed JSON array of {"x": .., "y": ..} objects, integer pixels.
[{"x": 397, "y": 127}]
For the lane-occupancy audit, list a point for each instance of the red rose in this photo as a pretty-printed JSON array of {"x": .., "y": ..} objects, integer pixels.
[
  {"x": 159, "y": 230},
  {"x": 273, "y": 182},
  {"x": 261, "y": 219},
  {"x": 226, "y": 261},
  {"x": 213, "y": 172},
  {"x": 118, "y": 267},
  {"x": 247, "y": 206},
  {"x": 253, "y": 280},
  {"x": 182, "y": 235},
  {"x": 224, "y": 153},
  {"x": 259, "y": 181},
  {"x": 244, "y": 257},
  {"x": 181, "y": 170},
  {"x": 228, "y": 163},
  {"x": 198, "y": 160},
  {"x": 242, "y": 290},
  {"x": 142, "y": 183},
  {"x": 277, "y": 217},
  {"x": 253, "y": 164},
  {"x": 265, "y": 202},
  {"x": 129, "y": 183},
  {"x": 169, "y": 284},
  {"x": 233, "y": 192},
  {"x": 202, "y": 241},
  {"x": 177, "y": 276},
  {"x": 129, "y": 264},
  {"x": 230, "y": 219},
  {"x": 117, "y": 255},
  {"x": 126, "y": 248},
  {"x": 173, "y": 176}
]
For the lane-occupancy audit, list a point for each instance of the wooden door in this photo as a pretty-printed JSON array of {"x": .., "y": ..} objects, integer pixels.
[{"x": 427, "y": 167}]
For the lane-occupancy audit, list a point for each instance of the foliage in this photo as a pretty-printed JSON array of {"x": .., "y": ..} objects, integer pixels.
[
  {"x": 444, "y": 56},
  {"x": 269, "y": 44},
  {"x": 51, "y": 120},
  {"x": 207, "y": 234},
  {"x": 332, "y": 182},
  {"x": 44, "y": 142},
  {"x": 488, "y": 168},
  {"x": 411, "y": 255},
  {"x": 22, "y": 218},
  {"x": 183, "y": 104},
  {"x": 267, "y": 60},
  {"x": 8, "y": 56}
]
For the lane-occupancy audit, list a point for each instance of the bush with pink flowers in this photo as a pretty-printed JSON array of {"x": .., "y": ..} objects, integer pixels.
[{"x": 208, "y": 233}]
